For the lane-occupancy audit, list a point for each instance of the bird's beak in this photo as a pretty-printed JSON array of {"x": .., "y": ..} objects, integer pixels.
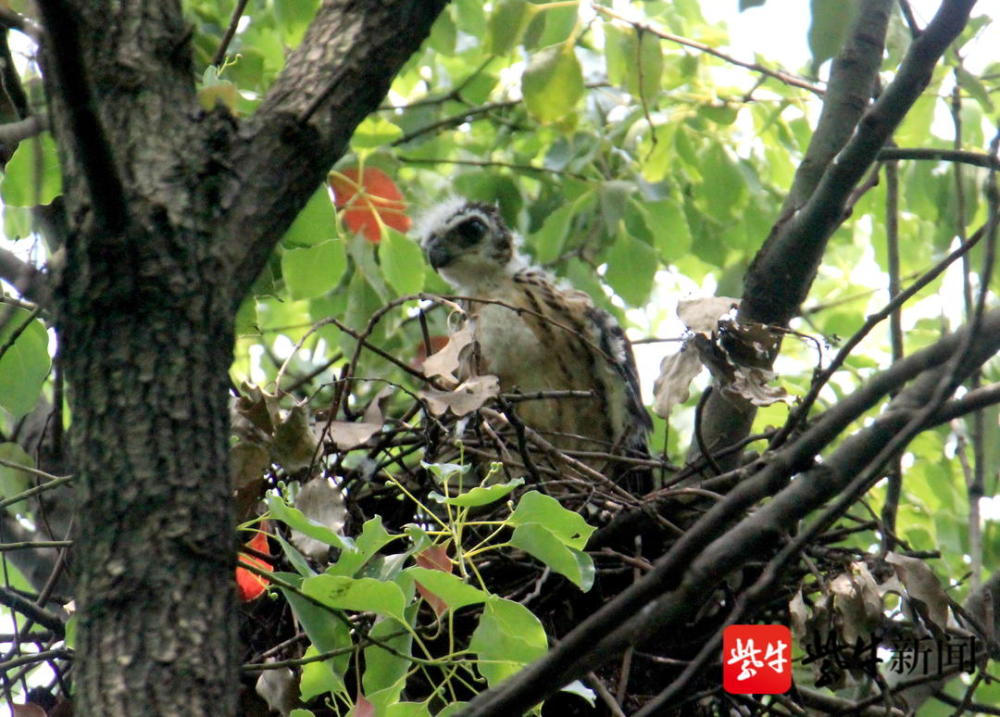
[{"x": 437, "y": 253}]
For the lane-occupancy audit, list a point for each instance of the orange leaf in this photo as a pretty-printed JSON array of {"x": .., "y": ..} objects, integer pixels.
[
  {"x": 368, "y": 201},
  {"x": 251, "y": 585},
  {"x": 434, "y": 558}
]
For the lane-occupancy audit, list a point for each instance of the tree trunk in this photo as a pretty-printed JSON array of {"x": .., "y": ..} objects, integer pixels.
[{"x": 154, "y": 555}]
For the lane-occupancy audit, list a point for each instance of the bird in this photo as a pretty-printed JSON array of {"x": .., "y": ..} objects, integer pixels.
[{"x": 537, "y": 334}]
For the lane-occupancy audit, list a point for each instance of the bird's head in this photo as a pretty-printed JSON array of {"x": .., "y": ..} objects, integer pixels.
[{"x": 468, "y": 243}]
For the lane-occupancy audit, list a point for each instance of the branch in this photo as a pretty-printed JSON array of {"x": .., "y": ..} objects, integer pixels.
[
  {"x": 16, "y": 21},
  {"x": 779, "y": 75},
  {"x": 43, "y": 617},
  {"x": 338, "y": 75},
  {"x": 31, "y": 126},
  {"x": 976, "y": 159},
  {"x": 91, "y": 146},
  {"x": 782, "y": 272},
  {"x": 693, "y": 566},
  {"x": 853, "y": 75},
  {"x": 30, "y": 282}
]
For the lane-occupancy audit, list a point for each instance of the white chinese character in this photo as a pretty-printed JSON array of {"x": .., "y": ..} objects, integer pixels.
[
  {"x": 775, "y": 656},
  {"x": 747, "y": 654}
]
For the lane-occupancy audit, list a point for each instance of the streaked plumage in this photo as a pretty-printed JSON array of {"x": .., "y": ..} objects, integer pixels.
[{"x": 544, "y": 337}]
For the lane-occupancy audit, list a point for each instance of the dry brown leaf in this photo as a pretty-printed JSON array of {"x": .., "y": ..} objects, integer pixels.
[
  {"x": 322, "y": 501},
  {"x": 702, "y": 315},
  {"x": 856, "y": 600},
  {"x": 465, "y": 398},
  {"x": 294, "y": 444},
  {"x": 752, "y": 384},
  {"x": 673, "y": 386},
  {"x": 247, "y": 464},
  {"x": 922, "y": 584},
  {"x": 279, "y": 688},
  {"x": 445, "y": 362}
]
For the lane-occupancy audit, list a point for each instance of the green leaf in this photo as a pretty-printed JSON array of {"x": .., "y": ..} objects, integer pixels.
[
  {"x": 744, "y": 4},
  {"x": 484, "y": 494},
  {"x": 302, "y": 712},
  {"x": 569, "y": 526},
  {"x": 383, "y": 669},
  {"x": 453, "y": 591},
  {"x": 13, "y": 481},
  {"x": 554, "y": 25},
  {"x": 318, "y": 678},
  {"x": 552, "y": 84},
  {"x": 614, "y": 196},
  {"x": 373, "y": 537},
  {"x": 326, "y": 633},
  {"x": 375, "y": 131},
  {"x": 723, "y": 187},
  {"x": 548, "y": 241},
  {"x": 25, "y": 364},
  {"x": 506, "y": 25},
  {"x": 632, "y": 266},
  {"x": 508, "y": 637},
  {"x": 358, "y": 594},
  {"x": 540, "y": 542},
  {"x": 634, "y": 60},
  {"x": 443, "y": 34},
  {"x": 293, "y": 518},
  {"x": 402, "y": 262},
  {"x": 32, "y": 175},
  {"x": 316, "y": 222},
  {"x": 831, "y": 20},
  {"x": 671, "y": 235},
  {"x": 293, "y": 18},
  {"x": 314, "y": 270},
  {"x": 452, "y": 709},
  {"x": 296, "y": 558},
  {"x": 408, "y": 709}
]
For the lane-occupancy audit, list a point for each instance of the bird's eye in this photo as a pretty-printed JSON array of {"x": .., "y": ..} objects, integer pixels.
[{"x": 470, "y": 231}]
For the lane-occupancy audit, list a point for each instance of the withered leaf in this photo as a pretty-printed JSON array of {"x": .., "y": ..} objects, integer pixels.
[
  {"x": 445, "y": 362},
  {"x": 322, "y": 501},
  {"x": 673, "y": 386},
  {"x": 465, "y": 398},
  {"x": 294, "y": 444},
  {"x": 922, "y": 584},
  {"x": 702, "y": 315}
]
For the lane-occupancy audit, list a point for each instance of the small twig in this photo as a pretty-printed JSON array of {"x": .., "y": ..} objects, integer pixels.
[
  {"x": 975, "y": 159},
  {"x": 783, "y": 77},
  {"x": 702, "y": 446},
  {"x": 493, "y": 163},
  {"x": 234, "y": 21},
  {"x": 14, "y": 132},
  {"x": 54, "y": 482}
]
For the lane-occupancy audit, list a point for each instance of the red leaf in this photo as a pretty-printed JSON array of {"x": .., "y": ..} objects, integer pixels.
[
  {"x": 438, "y": 342},
  {"x": 369, "y": 200},
  {"x": 250, "y": 585},
  {"x": 434, "y": 558},
  {"x": 363, "y": 708}
]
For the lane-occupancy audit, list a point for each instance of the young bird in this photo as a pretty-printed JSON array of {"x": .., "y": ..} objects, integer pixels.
[{"x": 542, "y": 337}]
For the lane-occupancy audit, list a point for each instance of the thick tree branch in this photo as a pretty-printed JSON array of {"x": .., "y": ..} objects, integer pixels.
[
  {"x": 783, "y": 270},
  {"x": 852, "y": 80},
  {"x": 711, "y": 548},
  {"x": 30, "y": 282},
  {"x": 91, "y": 145},
  {"x": 337, "y": 76}
]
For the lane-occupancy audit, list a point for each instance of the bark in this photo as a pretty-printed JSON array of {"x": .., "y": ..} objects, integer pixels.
[{"x": 170, "y": 213}]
